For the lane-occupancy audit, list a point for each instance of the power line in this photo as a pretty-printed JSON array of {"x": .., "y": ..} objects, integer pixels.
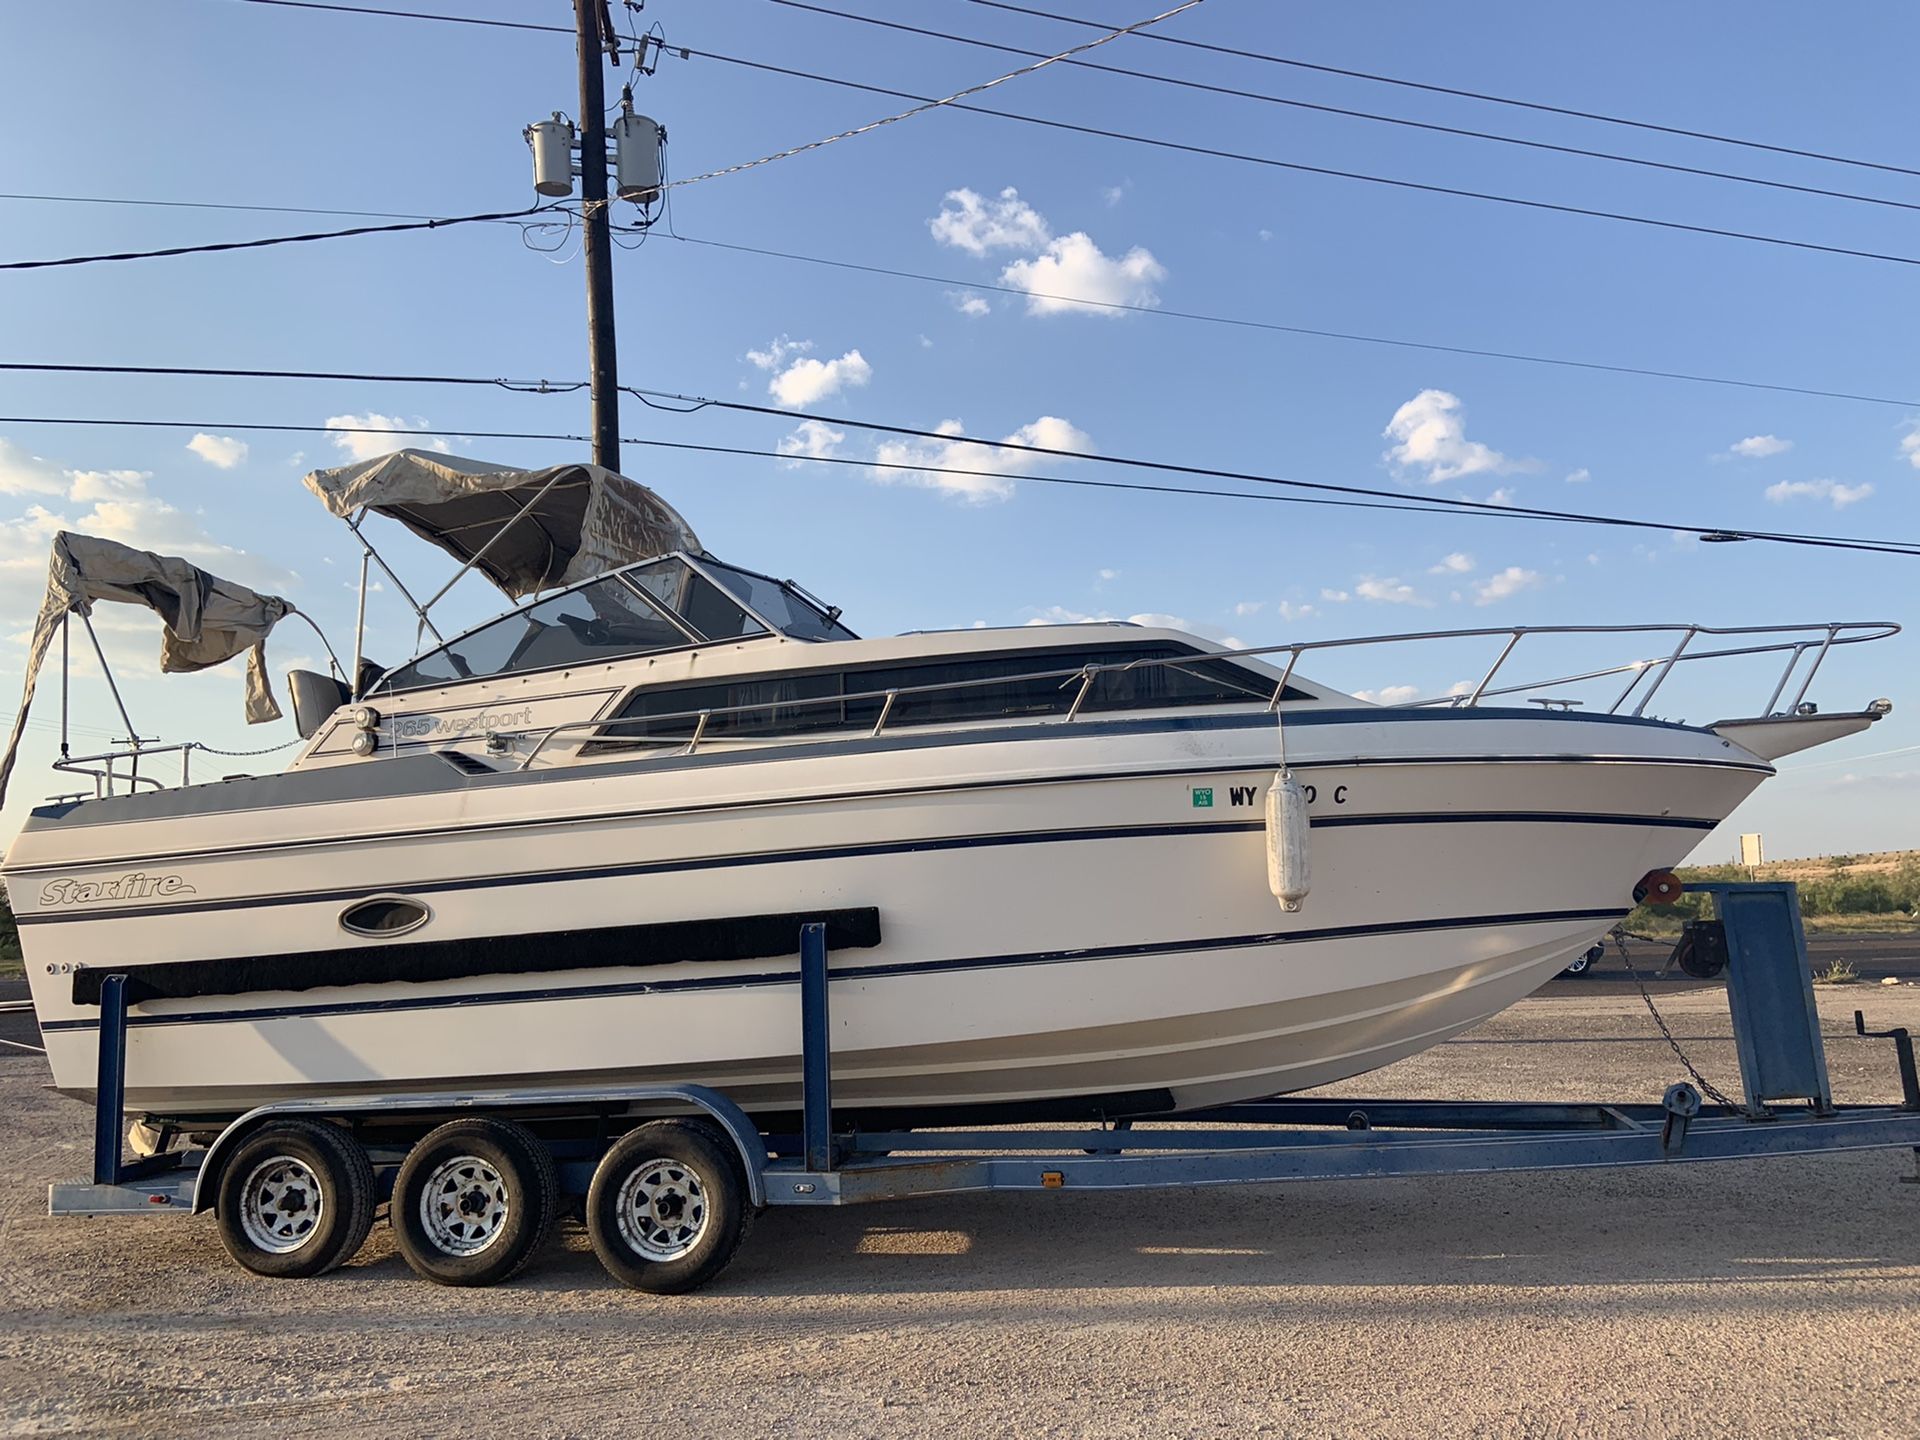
[
  {"x": 1241, "y": 52},
  {"x": 415, "y": 15},
  {"x": 1473, "y": 94},
  {"x": 212, "y": 205},
  {"x": 1439, "y": 503},
  {"x": 1291, "y": 103},
  {"x": 1272, "y": 162},
  {"x": 927, "y": 104},
  {"x": 224, "y": 245},
  {"x": 1242, "y": 322},
  {"x": 1417, "y": 504},
  {"x": 1332, "y": 172},
  {"x": 1197, "y": 316}
]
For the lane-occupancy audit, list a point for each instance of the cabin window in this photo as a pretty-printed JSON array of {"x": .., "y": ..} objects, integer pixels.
[{"x": 987, "y": 687}]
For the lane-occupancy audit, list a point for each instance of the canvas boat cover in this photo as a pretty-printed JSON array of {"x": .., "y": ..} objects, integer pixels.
[
  {"x": 583, "y": 519},
  {"x": 208, "y": 620}
]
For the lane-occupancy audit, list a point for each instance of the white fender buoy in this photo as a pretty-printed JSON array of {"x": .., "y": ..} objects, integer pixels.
[{"x": 1289, "y": 861}]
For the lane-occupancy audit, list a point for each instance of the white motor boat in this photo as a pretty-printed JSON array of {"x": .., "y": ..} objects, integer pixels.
[{"x": 573, "y": 846}]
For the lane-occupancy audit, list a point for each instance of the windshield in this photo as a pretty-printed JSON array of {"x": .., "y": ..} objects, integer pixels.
[
  {"x": 598, "y": 621},
  {"x": 782, "y": 603},
  {"x": 661, "y": 605}
]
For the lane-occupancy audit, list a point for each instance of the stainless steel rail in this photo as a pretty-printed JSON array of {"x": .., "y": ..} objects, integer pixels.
[{"x": 1795, "y": 641}]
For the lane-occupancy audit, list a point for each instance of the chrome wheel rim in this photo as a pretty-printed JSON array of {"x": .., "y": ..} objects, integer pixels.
[
  {"x": 463, "y": 1206},
  {"x": 281, "y": 1206},
  {"x": 662, "y": 1209}
]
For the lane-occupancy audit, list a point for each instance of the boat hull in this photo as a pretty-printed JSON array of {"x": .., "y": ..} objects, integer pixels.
[{"x": 1070, "y": 916}]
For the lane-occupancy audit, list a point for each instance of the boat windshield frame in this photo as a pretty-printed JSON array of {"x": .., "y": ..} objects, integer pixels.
[{"x": 714, "y": 571}]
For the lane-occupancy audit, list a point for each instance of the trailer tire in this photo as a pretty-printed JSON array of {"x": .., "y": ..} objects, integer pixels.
[
  {"x": 474, "y": 1201},
  {"x": 295, "y": 1199},
  {"x": 668, "y": 1207}
]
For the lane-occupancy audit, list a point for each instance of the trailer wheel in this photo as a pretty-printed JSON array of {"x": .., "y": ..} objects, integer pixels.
[
  {"x": 295, "y": 1199},
  {"x": 1584, "y": 962},
  {"x": 474, "y": 1201},
  {"x": 668, "y": 1207}
]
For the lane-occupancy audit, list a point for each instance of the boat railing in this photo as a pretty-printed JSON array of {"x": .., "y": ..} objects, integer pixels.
[
  {"x": 1796, "y": 642},
  {"x": 104, "y": 767}
]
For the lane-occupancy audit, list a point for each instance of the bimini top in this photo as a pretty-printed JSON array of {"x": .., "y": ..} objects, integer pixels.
[
  {"x": 208, "y": 620},
  {"x": 525, "y": 530}
]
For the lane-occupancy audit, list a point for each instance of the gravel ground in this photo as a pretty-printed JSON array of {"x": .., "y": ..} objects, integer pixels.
[{"x": 1773, "y": 1298}]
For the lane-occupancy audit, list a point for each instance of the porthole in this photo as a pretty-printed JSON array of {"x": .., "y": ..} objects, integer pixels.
[{"x": 381, "y": 917}]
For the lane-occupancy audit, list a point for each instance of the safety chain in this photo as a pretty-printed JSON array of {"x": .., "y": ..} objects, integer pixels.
[
  {"x": 248, "y": 754},
  {"x": 1707, "y": 1087}
]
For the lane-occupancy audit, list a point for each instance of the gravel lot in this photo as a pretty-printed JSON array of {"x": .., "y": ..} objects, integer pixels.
[{"x": 1746, "y": 1299}]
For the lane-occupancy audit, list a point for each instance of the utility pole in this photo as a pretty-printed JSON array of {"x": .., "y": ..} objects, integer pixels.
[{"x": 602, "y": 359}]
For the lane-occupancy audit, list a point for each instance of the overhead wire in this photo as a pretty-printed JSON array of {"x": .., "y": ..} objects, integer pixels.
[
  {"x": 269, "y": 241},
  {"x": 1239, "y": 51},
  {"x": 926, "y": 103},
  {"x": 1118, "y": 306},
  {"x": 954, "y": 102},
  {"x": 1274, "y": 162},
  {"x": 1437, "y": 502},
  {"x": 1480, "y": 95},
  {"x": 1398, "y": 120},
  {"x": 679, "y": 403},
  {"x": 1245, "y": 323}
]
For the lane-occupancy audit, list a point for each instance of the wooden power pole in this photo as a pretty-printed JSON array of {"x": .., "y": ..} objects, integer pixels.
[{"x": 602, "y": 355}]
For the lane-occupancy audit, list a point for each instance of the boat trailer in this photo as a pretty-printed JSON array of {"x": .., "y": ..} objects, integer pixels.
[{"x": 1786, "y": 1109}]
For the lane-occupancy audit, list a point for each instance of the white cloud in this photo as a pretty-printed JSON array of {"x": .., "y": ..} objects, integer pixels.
[
  {"x": 1840, "y": 495},
  {"x": 812, "y": 439},
  {"x": 1287, "y": 610},
  {"x": 1389, "y": 694},
  {"x": 1429, "y": 434},
  {"x": 969, "y": 303},
  {"x": 1072, "y": 270},
  {"x": 1458, "y": 563},
  {"x": 1388, "y": 591},
  {"x": 1153, "y": 619},
  {"x": 1893, "y": 779},
  {"x": 25, "y": 474},
  {"x": 365, "y": 446},
  {"x": 969, "y": 222},
  {"x": 1265, "y": 235},
  {"x": 1249, "y": 607},
  {"x": 222, "y": 451},
  {"x": 1502, "y": 496},
  {"x": 1580, "y": 476},
  {"x": 1910, "y": 447},
  {"x": 1114, "y": 194},
  {"x": 925, "y": 343},
  {"x": 779, "y": 350},
  {"x": 808, "y": 380},
  {"x": 1759, "y": 447},
  {"x": 89, "y": 486},
  {"x": 903, "y": 455},
  {"x": 1109, "y": 574},
  {"x": 1510, "y": 581},
  {"x": 1335, "y": 597}
]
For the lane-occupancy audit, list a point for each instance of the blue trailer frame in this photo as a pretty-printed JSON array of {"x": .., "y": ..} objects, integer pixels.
[{"x": 1788, "y": 1110}]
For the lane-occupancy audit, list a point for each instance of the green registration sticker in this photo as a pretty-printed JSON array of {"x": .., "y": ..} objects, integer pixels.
[{"x": 1202, "y": 797}]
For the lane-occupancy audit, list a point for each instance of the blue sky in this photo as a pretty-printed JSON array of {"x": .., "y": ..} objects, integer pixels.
[{"x": 210, "y": 100}]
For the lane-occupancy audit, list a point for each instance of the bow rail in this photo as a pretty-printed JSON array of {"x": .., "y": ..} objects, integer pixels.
[{"x": 1819, "y": 638}]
